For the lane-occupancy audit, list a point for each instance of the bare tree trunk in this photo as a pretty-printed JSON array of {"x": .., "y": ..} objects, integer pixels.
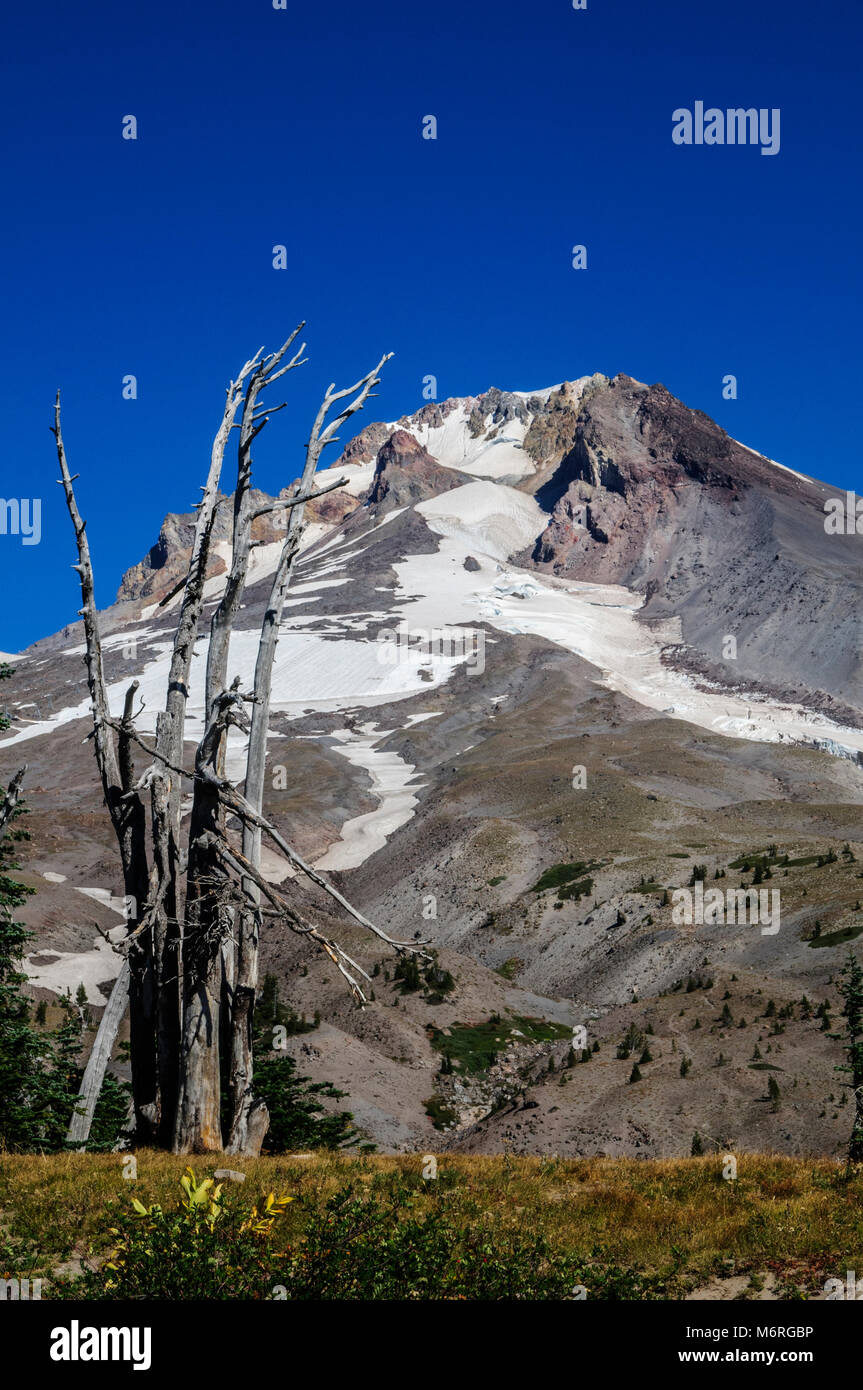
[
  {"x": 11, "y": 797},
  {"x": 124, "y": 809},
  {"x": 97, "y": 1063},
  {"x": 222, "y": 622},
  {"x": 241, "y": 1095},
  {"x": 246, "y": 979},
  {"x": 174, "y": 1056},
  {"x": 190, "y": 611},
  {"x": 221, "y": 627},
  {"x": 209, "y": 918},
  {"x": 166, "y": 952},
  {"x": 198, "y": 1126},
  {"x": 141, "y": 987}
]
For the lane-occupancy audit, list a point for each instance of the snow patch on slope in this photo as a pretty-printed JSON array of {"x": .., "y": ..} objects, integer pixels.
[
  {"x": 486, "y": 516},
  {"x": 598, "y": 623},
  {"x": 452, "y": 444},
  {"x": 390, "y": 774},
  {"x": 359, "y": 477},
  {"x": 66, "y": 970}
]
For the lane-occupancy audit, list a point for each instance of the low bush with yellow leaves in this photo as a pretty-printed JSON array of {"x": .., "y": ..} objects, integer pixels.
[{"x": 210, "y": 1246}]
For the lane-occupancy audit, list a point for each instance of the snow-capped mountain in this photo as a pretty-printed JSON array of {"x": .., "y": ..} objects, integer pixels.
[{"x": 509, "y": 587}]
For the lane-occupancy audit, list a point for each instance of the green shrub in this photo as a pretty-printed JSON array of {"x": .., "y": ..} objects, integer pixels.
[
  {"x": 359, "y": 1246},
  {"x": 510, "y": 967},
  {"x": 209, "y": 1247},
  {"x": 560, "y": 874},
  {"x": 475, "y": 1046},
  {"x": 440, "y": 1114},
  {"x": 574, "y": 891}
]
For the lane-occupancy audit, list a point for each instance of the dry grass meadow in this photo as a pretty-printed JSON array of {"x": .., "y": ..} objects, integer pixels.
[{"x": 778, "y": 1230}]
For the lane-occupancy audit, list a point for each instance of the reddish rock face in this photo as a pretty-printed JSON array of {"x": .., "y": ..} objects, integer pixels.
[
  {"x": 647, "y": 493},
  {"x": 168, "y": 561},
  {"x": 406, "y": 474},
  {"x": 637, "y": 472},
  {"x": 363, "y": 448}
]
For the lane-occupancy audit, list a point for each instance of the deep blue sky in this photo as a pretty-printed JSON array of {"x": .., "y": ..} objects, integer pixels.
[{"x": 302, "y": 127}]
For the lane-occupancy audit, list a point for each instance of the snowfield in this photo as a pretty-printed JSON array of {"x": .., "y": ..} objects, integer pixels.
[
  {"x": 452, "y": 444},
  {"x": 494, "y": 519}
]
